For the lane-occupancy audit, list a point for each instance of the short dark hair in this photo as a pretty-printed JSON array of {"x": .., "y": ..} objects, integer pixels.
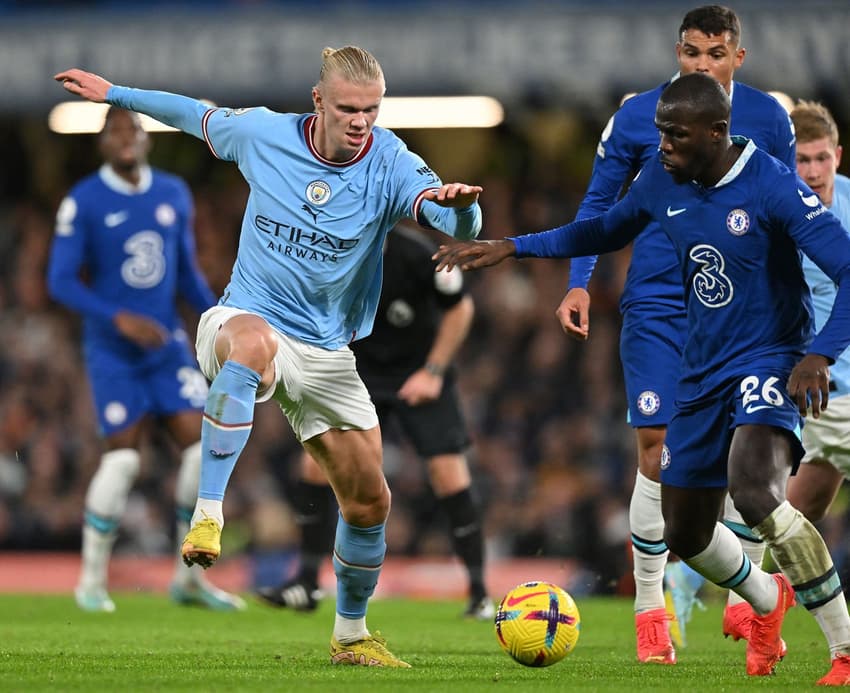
[
  {"x": 699, "y": 93},
  {"x": 713, "y": 20}
]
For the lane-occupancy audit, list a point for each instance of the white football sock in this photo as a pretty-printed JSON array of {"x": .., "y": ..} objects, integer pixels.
[
  {"x": 752, "y": 545},
  {"x": 649, "y": 552}
]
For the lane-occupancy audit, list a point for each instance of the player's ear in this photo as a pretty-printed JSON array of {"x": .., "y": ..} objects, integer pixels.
[
  {"x": 317, "y": 100},
  {"x": 719, "y": 129}
]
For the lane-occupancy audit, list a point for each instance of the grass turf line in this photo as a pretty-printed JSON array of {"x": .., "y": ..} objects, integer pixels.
[{"x": 46, "y": 643}]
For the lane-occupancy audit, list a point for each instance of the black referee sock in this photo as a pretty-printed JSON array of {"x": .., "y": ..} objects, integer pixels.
[
  {"x": 467, "y": 538},
  {"x": 315, "y": 515}
]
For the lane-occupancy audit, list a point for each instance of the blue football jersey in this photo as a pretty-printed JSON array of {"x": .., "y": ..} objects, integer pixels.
[
  {"x": 824, "y": 289},
  {"x": 738, "y": 249},
  {"x": 628, "y": 142},
  {"x": 136, "y": 248}
]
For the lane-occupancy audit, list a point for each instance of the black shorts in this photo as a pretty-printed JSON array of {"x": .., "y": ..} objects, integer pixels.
[{"x": 435, "y": 428}]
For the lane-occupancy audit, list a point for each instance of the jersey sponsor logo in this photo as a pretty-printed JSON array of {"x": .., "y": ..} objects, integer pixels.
[
  {"x": 648, "y": 402},
  {"x": 165, "y": 214},
  {"x": 115, "y": 413},
  {"x": 400, "y": 313},
  {"x": 665, "y": 457},
  {"x": 427, "y": 173},
  {"x": 711, "y": 285},
  {"x": 144, "y": 267},
  {"x": 65, "y": 216},
  {"x": 114, "y": 219},
  {"x": 318, "y": 192},
  {"x": 737, "y": 222},
  {"x": 809, "y": 200},
  {"x": 296, "y": 242},
  {"x": 675, "y": 212}
]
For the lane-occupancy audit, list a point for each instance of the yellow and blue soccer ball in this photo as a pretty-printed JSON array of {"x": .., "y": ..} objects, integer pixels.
[{"x": 537, "y": 624}]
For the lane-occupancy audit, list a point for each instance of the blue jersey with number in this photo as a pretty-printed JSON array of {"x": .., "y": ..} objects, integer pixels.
[
  {"x": 119, "y": 247},
  {"x": 824, "y": 289},
  {"x": 310, "y": 249},
  {"x": 629, "y": 140},
  {"x": 736, "y": 243}
]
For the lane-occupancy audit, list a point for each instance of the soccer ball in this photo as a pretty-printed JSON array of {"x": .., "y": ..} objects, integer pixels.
[{"x": 537, "y": 624}]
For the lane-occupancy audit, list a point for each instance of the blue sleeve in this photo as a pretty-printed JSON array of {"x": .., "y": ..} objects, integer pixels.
[
  {"x": 191, "y": 283},
  {"x": 820, "y": 235},
  {"x": 613, "y": 165},
  {"x": 785, "y": 142},
  {"x": 175, "y": 110},
  {"x": 67, "y": 259},
  {"x": 601, "y": 234}
]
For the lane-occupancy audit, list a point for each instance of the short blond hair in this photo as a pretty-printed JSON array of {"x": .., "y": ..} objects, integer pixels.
[
  {"x": 813, "y": 121},
  {"x": 352, "y": 63}
]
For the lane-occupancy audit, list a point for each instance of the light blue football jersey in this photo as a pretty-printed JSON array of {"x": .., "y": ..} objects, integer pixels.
[
  {"x": 309, "y": 258},
  {"x": 310, "y": 251},
  {"x": 824, "y": 289},
  {"x": 738, "y": 247}
]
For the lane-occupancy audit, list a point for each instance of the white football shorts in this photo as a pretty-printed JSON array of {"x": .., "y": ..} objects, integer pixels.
[
  {"x": 318, "y": 389},
  {"x": 828, "y": 437}
]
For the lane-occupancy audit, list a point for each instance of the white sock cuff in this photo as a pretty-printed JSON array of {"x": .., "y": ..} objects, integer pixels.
[
  {"x": 647, "y": 487},
  {"x": 125, "y": 460},
  {"x": 778, "y": 522}
]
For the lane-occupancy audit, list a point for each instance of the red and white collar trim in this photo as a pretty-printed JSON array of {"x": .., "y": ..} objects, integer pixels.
[{"x": 309, "y": 130}]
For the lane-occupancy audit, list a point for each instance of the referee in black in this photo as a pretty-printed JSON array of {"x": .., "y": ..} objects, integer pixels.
[{"x": 406, "y": 363}]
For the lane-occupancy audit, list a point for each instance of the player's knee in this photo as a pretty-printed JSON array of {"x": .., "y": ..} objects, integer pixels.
[
  {"x": 368, "y": 507},
  {"x": 754, "y": 501},
  {"x": 254, "y": 347}
]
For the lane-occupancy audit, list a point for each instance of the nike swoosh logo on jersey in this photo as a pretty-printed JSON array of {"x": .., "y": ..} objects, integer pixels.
[
  {"x": 809, "y": 200},
  {"x": 116, "y": 218},
  {"x": 513, "y": 601},
  {"x": 674, "y": 212},
  {"x": 753, "y": 410}
]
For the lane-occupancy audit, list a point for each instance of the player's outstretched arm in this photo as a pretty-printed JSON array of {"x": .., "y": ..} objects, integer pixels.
[
  {"x": 808, "y": 384},
  {"x": 473, "y": 254},
  {"x": 574, "y": 313},
  {"x": 86, "y": 84},
  {"x": 457, "y": 195}
]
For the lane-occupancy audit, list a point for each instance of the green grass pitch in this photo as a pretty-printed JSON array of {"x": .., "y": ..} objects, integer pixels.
[{"x": 46, "y": 643}]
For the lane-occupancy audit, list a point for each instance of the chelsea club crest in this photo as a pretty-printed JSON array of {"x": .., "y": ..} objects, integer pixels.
[
  {"x": 648, "y": 402},
  {"x": 737, "y": 222},
  {"x": 318, "y": 192}
]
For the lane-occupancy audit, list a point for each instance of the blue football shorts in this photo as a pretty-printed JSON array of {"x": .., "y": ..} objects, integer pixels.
[
  {"x": 125, "y": 390},
  {"x": 651, "y": 350},
  {"x": 699, "y": 436}
]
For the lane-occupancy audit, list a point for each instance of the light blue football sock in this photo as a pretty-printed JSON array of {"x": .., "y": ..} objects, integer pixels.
[
  {"x": 358, "y": 556},
  {"x": 228, "y": 418}
]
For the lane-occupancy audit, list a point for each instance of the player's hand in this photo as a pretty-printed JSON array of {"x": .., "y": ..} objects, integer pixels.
[
  {"x": 86, "y": 84},
  {"x": 141, "y": 330},
  {"x": 574, "y": 314},
  {"x": 473, "y": 254},
  {"x": 457, "y": 195},
  {"x": 421, "y": 387},
  {"x": 808, "y": 384}
]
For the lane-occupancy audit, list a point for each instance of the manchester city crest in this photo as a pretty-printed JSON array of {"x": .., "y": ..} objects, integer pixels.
[
  {"x": 737, "y": 222},
  {"x": 648, "y": 402},
  {"x": 318, "y": 192}
]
